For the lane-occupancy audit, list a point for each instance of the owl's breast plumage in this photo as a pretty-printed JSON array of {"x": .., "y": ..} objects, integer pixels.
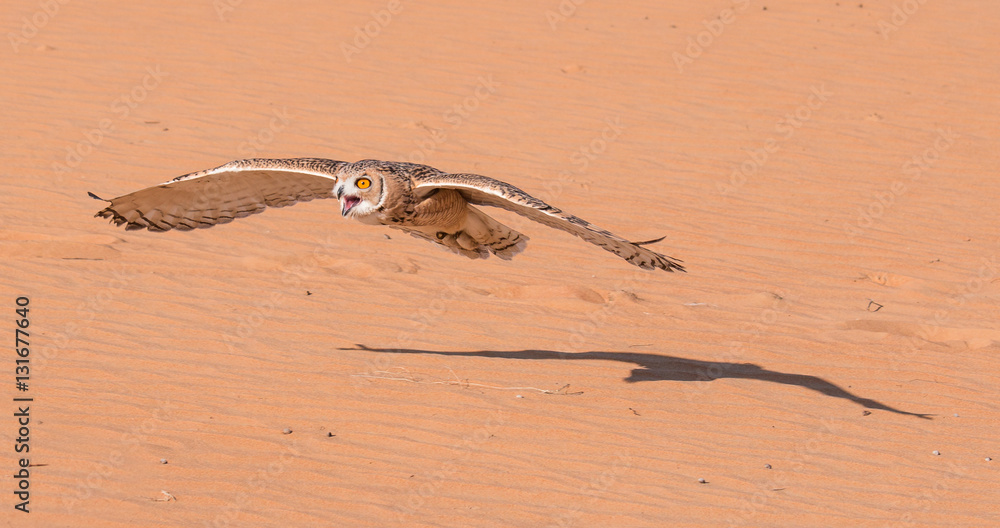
[{"x": 442, "y": 208}]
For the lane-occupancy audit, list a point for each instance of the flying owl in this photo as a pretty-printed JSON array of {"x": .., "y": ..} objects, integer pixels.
[{"x": 421, "y": 200}]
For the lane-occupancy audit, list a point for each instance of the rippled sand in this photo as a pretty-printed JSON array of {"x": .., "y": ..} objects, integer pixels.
[{"x": 827, "y": 173}]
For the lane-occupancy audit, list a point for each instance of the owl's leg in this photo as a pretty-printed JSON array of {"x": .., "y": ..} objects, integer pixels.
[
  {"x": 460, "y": 243},
  {"x": 488, "y": 234}
]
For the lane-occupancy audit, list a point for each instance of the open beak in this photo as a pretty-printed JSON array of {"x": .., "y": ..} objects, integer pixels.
[{"x": 348, "y": 203}]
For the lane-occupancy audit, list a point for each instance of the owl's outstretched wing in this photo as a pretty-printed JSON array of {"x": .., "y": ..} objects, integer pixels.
[
  {"x": 220, "y": 195},
  {"x": 481, "y": 190}
]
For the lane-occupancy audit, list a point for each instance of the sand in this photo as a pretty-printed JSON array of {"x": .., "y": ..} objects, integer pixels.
[{"x": 826, "y": 171}]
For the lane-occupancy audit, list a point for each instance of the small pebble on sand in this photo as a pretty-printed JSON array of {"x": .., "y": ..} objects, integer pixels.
[{"x": 286, "y": 431}]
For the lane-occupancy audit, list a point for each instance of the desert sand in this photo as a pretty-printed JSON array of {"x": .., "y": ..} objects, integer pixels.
[{"x": 827, "y": 172}]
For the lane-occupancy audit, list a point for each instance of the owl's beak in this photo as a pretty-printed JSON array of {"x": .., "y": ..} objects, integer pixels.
[
  {"x": 348, "y": 204},
  {"x": 340, "y": 191}
]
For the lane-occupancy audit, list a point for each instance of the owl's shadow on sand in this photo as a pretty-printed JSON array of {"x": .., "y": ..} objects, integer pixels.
[{"x": 655, "y": 367}]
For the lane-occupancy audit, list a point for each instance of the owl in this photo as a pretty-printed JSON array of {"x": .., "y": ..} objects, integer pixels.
[{"x": 423, "y": 201}]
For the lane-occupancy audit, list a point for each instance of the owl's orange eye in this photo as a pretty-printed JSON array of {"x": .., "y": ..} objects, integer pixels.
[{"x": 363, "y": 183}]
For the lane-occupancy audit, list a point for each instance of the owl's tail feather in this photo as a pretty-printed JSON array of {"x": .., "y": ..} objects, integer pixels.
[{"x": 499, "y": 239}]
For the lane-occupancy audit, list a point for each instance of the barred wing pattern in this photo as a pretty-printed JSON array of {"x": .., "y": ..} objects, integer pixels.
[
  {"x": 220, "y": 195},
  {"x": 481, "y": 190}
]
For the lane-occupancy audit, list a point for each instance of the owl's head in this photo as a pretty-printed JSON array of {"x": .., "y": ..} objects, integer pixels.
[{"x": 360, "y": 191}]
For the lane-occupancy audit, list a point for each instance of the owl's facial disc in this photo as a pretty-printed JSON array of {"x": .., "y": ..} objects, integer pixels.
[{"x": 350, "y": 195}]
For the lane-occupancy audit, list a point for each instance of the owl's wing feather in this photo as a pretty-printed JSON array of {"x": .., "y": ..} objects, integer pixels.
[
  {"x": 481, "y": 190},
  {"x": 220, "y": 195}
]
